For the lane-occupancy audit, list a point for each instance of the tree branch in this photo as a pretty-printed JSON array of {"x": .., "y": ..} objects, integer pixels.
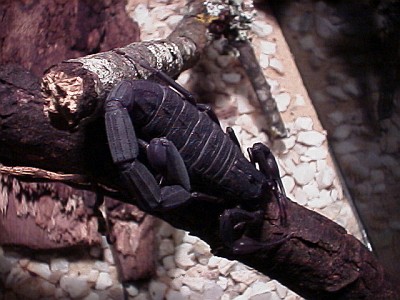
[
  {"x": 319, "y": 260},
  {"x": 75, "y": 89}
]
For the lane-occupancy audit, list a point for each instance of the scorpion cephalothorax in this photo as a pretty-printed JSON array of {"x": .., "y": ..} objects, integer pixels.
[{"x": 186, "y": 145}]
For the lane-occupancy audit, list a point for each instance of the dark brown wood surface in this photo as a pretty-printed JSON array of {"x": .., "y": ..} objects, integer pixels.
[{"x": 36, "y": 35}]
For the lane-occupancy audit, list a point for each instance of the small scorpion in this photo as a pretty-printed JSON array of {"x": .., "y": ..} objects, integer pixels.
[{"x": 185, "y": 143}]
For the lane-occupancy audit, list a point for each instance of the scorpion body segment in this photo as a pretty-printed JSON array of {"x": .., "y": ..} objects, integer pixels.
[{"x": 212, "y": 159}]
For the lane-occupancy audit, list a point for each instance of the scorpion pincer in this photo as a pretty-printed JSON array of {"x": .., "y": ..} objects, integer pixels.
[{"x": 185, "y": 143}]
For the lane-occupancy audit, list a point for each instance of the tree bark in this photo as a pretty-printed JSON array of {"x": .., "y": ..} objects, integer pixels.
[{"x": 46, "y": 216}]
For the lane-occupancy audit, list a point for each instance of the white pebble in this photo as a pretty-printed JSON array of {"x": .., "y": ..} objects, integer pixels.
[
  {"x": 92, "y": 296},
  {"x": 316, "y": 153},
  {"x": 59, "y": 264},
  {"x": 311, "y": 191},
  {"x": 322, "y": 201},
  {"x": 175, "y": 295},
  {"x": 47, "y": 289},
  {"x": 246, "y": 122},
  {"x": 182, "y": 257},
  {"x": 101, "y": 266},
  {"x": 243, "y": 105},
  {"x": 267, "y": 47},
  {"x": 194, "y": 283},
  {"x": 289, "y": 142},
  {"x": 231, "y": 77},
  {"x": 39, "y": 268},
  {"x": 176, "y": 283},
  {"x": 166, "y": 248},
  {"x": 325, "y": 178},
  {"x": 281, "y": 290},
  {"x": 103, "y": 281},
  {"x": 141, "y": 14},
  {"x": 303, "y": 124},
  {"x": 175, "y": 273},
  {"x": 190, "y": 239},
  {"x": 288, "y": 183},
  {"x": 300, "y": 196},
  {"x": 311, "y": 138},
  {"x": 245, "y": 276},
  {"x": 276, "y": 64},
  {"x": 299, "y": 100},
  {"x": 166, "y": 230},
  {"x": 173, "y": 20},
  {"x": 212, "y": 291},
  {"x": 282, "y": 101},
  {"x": 222, "y": 282},
  {"x": 75, "y": 286},
  {"x": 108, "y": 256},
  {"x": 261, "y": 29},
  {"x": 225, "y": 266},
  {"x": 157, "y": 290},
  {"x": 132, "y": 290},
  {"x": 262, "y": 288},
  {"x": 169, "y": 262},
  {"x": 186, "y": 292},
  {"x": 93, "y": 275},
  {"x": 303, "y": 174},
  {"x": 264, "y": 60}
]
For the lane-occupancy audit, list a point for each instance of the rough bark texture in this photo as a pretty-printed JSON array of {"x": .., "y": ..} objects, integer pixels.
[
  {"x": 319, "y": 260},
  {"x": 131, "y": 232},
  {"x": 75, "y": 89},
  {"x": 36, "y": 35},
  {"x": 46, "y": 215}
]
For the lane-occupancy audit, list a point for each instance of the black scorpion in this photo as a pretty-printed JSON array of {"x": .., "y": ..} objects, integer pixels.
[{"x": 185, "y": 143}]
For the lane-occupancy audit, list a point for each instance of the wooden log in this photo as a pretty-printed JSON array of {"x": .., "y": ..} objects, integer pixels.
[
  {"x": 318, "y": 261},
  {"x": 36, "y": 35}
]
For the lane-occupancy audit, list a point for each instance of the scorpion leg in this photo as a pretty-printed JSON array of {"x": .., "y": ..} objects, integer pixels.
[
  {"x": 166, "y": 160},
  {"x": 124, "y": 148},
  {"x": 266, "y": 161},
  {"x": 208, "y": 110},
  {"x": 232, "y": 136},
  {"x": 236, "y": 224}
]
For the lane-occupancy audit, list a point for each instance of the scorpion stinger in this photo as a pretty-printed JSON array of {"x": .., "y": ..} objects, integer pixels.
[{"x": 260, "y": 154}]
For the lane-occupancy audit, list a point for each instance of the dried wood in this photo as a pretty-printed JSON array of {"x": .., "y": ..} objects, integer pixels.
[{"x": 50, "y": 215}]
